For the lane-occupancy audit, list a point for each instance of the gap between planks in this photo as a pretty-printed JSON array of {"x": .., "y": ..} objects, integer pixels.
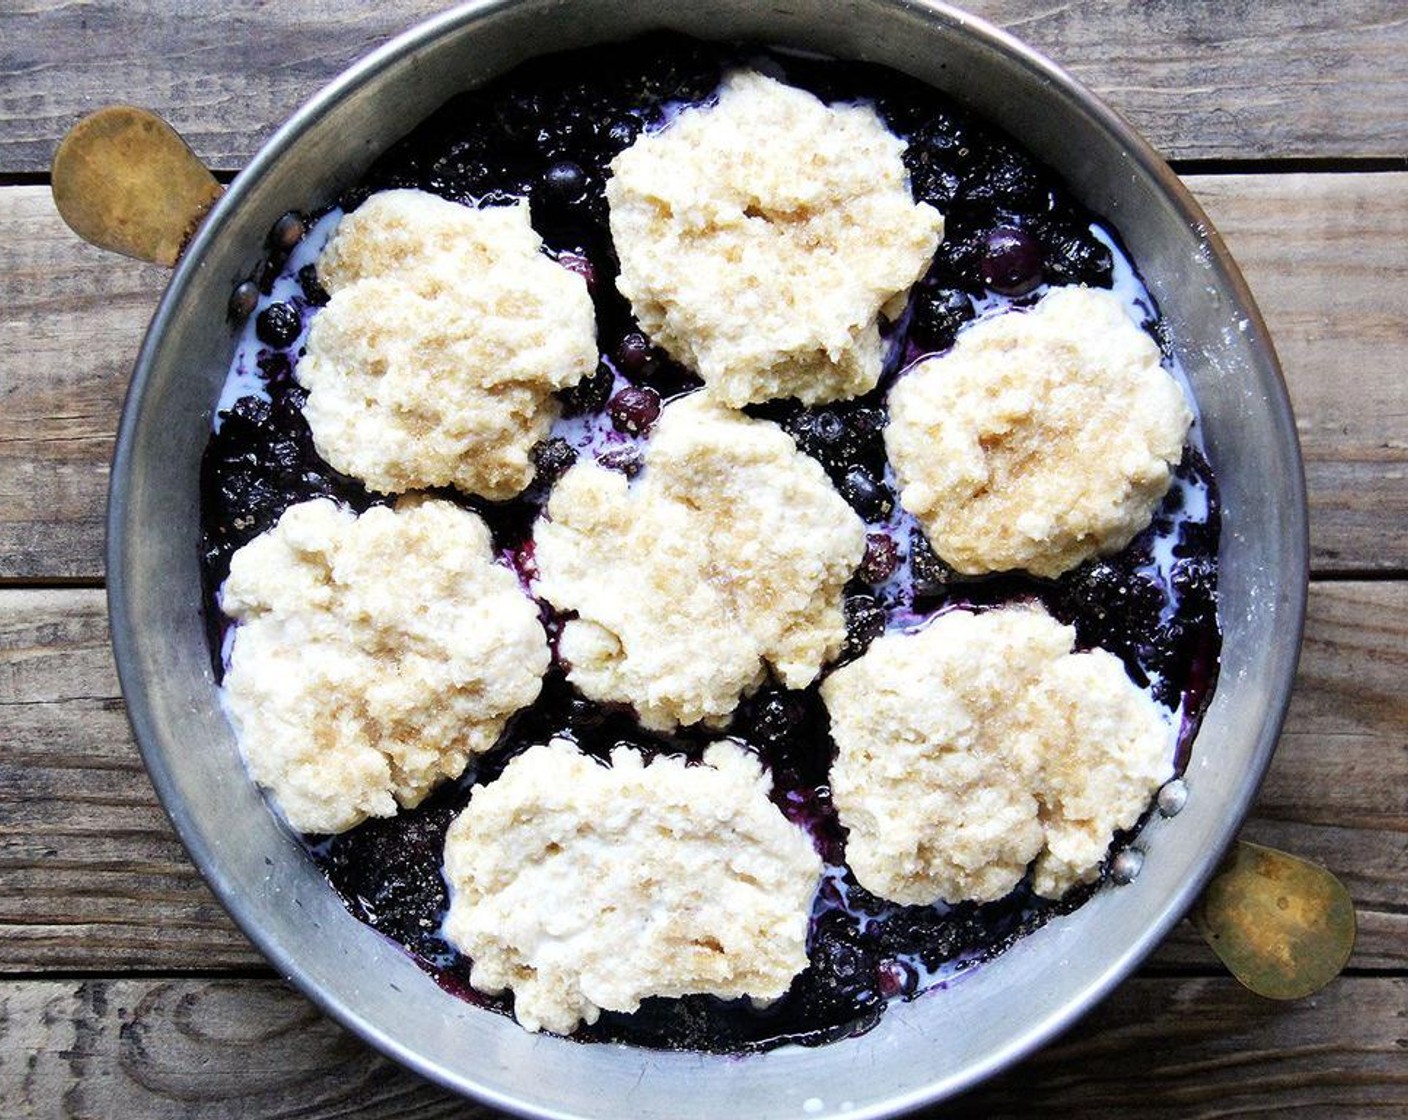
[{"x": 1184, "y": 167}]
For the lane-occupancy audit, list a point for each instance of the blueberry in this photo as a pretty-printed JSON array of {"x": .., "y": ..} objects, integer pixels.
[
  {"x": 1076, "y": 257},
  {"x": 841, "y": 981},
  {"x": 901, "y": 111},
  {"x": 688, "y": 76},
  {"x": 590, "y": 394},
  {"x": 861, "y": 901},
  {"x": 634, "y": 410},
  {"x": 1166, "y": 691},
  {"x": 868, "y": 423},
  {"x": 932, "y": 936},
  {"x": 865, "y": 621},
  {"x": 882, "y": 557},
  {"x": 938, "y": 186},
  {"x": 622, "y": 132},
  {"x": 258, "y": 464},
  {"x": 274, "y": 366},
  {"x": 267, "y": 272},
  {"x": 895, "y": 978},
  {"x": 243, "y": 300},
  {"x": 552, "y": 458},
  {"x": 836, "y": 442},
  {"x": 313, "y": 290},
  {"x": 288, "y": 231},
  {"x": 1004, "y": 178},
  {"x": 868, "y": 497},
  {"x": 931, "y": 575},
  {"x": 938, "y": 314},
  {"x": 941, "y": 137},
  {"x": 565, "y": 183},
  {"x": 960, "y": 253},
  {"x": 1200, "y": 537},
  {"x": 841, "y": 960},
  {"x": 472, "y": 169},
  {"x": 827, "y": 430},
  {"x": 775, "y": 718},
  {"x": 278, "y": 325},
  {"x": 1011, "y": 261},
  {"x": 634, "y": 354},
  {"x": 520, "y": 114},
  {"x": 572, "y": 128},
  {"x": 1107, "y": 594},
  {"x": 1194, "y": 579}
]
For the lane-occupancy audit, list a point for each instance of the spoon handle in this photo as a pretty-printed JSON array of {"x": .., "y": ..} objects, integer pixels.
[{"x": 124, "y": 180}]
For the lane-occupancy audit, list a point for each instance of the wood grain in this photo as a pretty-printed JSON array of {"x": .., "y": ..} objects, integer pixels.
[
  {"x": 91, "y": 874},
  {"x": 1233, "y": 80},
  {"x": 71, "y": 320},
  {"x": 180, "y": 1048},
  {"x": 1157, "y": 1048},
  {"x": 92, "y": 878},
  {"x": 1327, "y": 256},
  {"x": 1206, "y": 1048}
]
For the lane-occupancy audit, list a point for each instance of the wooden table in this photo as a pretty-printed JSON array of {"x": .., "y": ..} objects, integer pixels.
[{"x": 126, "y": 990}]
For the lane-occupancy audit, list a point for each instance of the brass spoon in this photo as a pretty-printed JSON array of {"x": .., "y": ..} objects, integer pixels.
[
  {"x": 1283, "y": 927},
  {"x": 123, "y": 179}
]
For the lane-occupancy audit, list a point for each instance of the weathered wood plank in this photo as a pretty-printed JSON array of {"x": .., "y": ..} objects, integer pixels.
[
  {"x": 192, "y": 1048},
  {"x": 1209, "y": 1049},
  {"x": 92, "y": 878},
  {"x": 1156, "y": 1048},
  {"x": 1326, "y": 256},
  {"x": 1201, "y": 80},
  {"x": 71, "y": 321},
  {"x": 91, "y": 874},
  {"x": 1324, "y": 253}
]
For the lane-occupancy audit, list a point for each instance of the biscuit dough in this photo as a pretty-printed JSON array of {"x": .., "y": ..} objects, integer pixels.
[
  {"x": 1041, "y": 439},
  {"x": 729, "y": 555},
  {"x": 373, "y": 656},
  {"x": 448, "y": 330},
  {"x": 760, "y": 239},
  {"x": 582, "y": 887},
  {"x": 970, "y": 748}
]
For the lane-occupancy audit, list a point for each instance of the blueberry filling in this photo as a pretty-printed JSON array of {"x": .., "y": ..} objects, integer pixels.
[
  {"x": 938, "y": 315},
  {"x": 552, "y": 458},
  {"x": 278, "y": 325},
  {"x": 635, "y": 409},
  {"x": 1011, "y": 261},
  {"x": 547, "y": 132}
]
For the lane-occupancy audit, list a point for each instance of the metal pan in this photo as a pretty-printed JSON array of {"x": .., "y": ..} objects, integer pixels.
[{"x": 921, "y": 1051}]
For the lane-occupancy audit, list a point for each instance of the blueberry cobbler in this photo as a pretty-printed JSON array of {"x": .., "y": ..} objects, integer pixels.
[{"x": 703, "y": 542}]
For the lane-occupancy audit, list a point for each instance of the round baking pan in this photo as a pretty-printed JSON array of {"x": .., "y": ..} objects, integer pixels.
[{"x": 922, "y": 1050}]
